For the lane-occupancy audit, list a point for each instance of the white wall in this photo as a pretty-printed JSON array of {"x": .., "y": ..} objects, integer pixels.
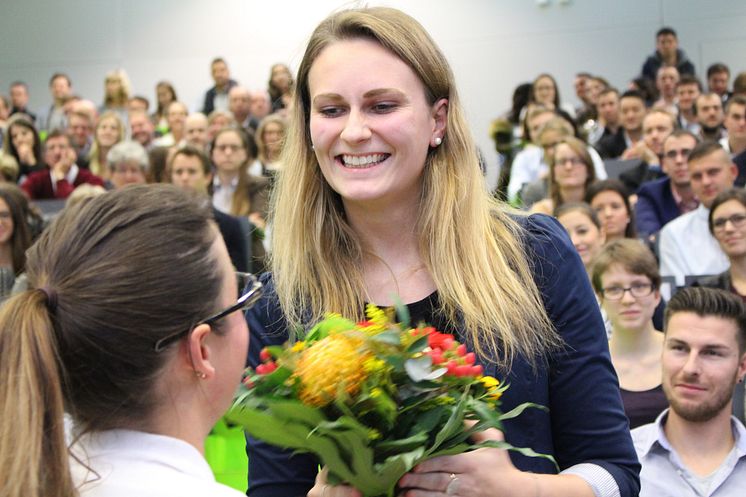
[{"x": 493, "y": 45}]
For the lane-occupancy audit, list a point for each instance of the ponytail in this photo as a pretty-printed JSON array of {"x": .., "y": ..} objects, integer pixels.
[{"x": 34, "y": 460}]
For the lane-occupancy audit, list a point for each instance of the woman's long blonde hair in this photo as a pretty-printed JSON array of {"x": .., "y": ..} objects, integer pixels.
[
  {"x": 471, "y": 246},
  {"x": 95, "y": 164}
]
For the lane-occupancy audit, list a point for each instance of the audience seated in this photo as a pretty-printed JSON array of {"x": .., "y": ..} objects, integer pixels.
[
  {"x": 610, "y": 200},
  {"x": 667, "y": 53},
  {"x": 688, "y": 89},
  {"x": 80, "y": 128},
  {"x": 696, "y": 447},
  {"x": 686, "y": 247},
  {"x": 626, "y": 279},
  {"x": 22, "y": 142},
  {"x": 19, "y": 100},
  {"x": 109, "y": 131},
  {"x": 269, "y": 138},
  {"x": 218, "y": 120},
  {"x": 584, "y": 228},
  {"x": 666, "y": 80},
  {"x": 239, "y": 104},
  {"x": 632, "y": 112},
  {"x": 525, "y": 165},
  {"x": 280, "y": 86},
  {"x": 544, "y": 92},
  {"x": 662, "y": 200},
  {"x": 656, "y": 126},
  {"x": 165, "y": 94},
  {"x": 195, "y": 131},
  {"x": 176, "y": 117},
  {"x": 718, "y": 77},
  {"x": 128, "y": 164},
  {"x": 216, "y": 98},
  {"x": 141, "y": 129},
  {"x": 570, "y": 173},
  {"x": 608, "y": 122},
  {"x": 735, "y": 125},
  {"x": 190, "y": 169},
  {"x": 727, "y": 222},
  {"x": 15, "y": 237},
  {"x": 62, "y": 174},
  {"x": 710, "y": 116},
  {"x": 54, "y": 117},
  {"x": 117, "y": 92}
]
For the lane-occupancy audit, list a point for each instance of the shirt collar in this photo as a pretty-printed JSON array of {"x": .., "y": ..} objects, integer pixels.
[
  {"x": 70, "y": 176},
  {"x": 217, "y": 184}
]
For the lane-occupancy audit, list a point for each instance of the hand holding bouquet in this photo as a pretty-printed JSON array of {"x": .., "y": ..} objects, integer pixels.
[{"x": 371, "y": 399}]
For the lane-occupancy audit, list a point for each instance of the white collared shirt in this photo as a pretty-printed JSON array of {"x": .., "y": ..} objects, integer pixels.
[
  {"x": 132, "y": 463},
  {"x": 70, "y": 177},
  {"x": 687, "y": 248},
  {"x": 222, "y": 195}
]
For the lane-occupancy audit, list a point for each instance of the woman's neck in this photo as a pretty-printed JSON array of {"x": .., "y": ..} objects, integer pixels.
[
  {"x": 634, "y": 342},
  {"x": 572, "y": 194}
]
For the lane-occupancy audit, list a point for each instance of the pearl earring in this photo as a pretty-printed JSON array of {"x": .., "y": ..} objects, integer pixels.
[{"x": 438, "y": 141}]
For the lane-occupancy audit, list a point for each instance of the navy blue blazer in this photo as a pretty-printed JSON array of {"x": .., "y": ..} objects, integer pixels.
[
  {"x": 655, "y": 206},
  {"x": 585, "y": 422}
]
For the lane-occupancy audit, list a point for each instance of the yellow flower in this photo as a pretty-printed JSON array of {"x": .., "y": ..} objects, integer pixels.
[
  {"x": 494, "y": 391},
  {"x": 298, "y": 346},
  {"x": 489, "y": 382},
  {"x": 330, "y": 366}
]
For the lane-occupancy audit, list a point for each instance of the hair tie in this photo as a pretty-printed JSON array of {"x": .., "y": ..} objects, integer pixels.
[{"x": 51, "y": 298}]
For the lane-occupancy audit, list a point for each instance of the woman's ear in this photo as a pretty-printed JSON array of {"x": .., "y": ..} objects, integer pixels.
[
  {"x": 440, "y": 118},
  {"x": 199, "y": 352}
]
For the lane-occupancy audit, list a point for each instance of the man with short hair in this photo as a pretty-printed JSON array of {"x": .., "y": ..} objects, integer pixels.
[
  {"x": 687, "y": 248},
  {"x": 138, "y": 103},
  {"x": 261, "y": 104},
  {"x": 195, "y": 131},
  {"x": 735, "y": 125},
  {"x": 216, "y": 97},
  {"x": 176, "y": 115},
  {"x": 142, "y": 129},
  {"x": 608, "y": 123},
  {"x": 54, "y": 116},
  {"x": 656, "y": 126},
  {"x": 239, "y": 104},
  {"x": 667, "y": 52},
  {"x": 80, "y": 128},
  {"x": 665, "y": 199},
  {"x": 687, "y": 91},
  {"x": 631, "y": 114},
  {"x": 718, "y": 76},
  {"x": 62, "y": 175},
  {"x": 666, "y": 80},
  {"x": 696, "y": 447},
  {"x": 709, "y": 110},
  {"x": 19, "y": 100},
  {"x": 190, "y": 169}
]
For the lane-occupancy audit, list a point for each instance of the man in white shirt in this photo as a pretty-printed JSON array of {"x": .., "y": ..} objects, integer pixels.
[
  {"x": 686, "y": 246},
  {"x": 696, "y": 448}
]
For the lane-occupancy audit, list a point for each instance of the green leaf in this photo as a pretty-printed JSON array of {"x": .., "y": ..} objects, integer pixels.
[
  {"x": 268, "y": 428},
  {"x": 402, "y": 312},
  {"x": 521, "y": 450},
  {"x": 454, "y": 424},
  {"x": 390, "y": 337},
  {"x": 418, "y": 345},
  {"x": 518, "y": 410}
]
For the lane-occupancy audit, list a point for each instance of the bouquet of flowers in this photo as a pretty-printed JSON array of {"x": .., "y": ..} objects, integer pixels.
[{"x": 371, "y": 399}]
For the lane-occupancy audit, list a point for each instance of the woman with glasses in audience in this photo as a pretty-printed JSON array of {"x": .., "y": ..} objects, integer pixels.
[
  {"x": 610, "y": 200},
  {"x": 269, "y": 138},
  {"x": 626, "y": 279},
  {"x": 727, "y": 222},
  {"x": 571, "y": 172},
  {"x": 142, "y": 348}
]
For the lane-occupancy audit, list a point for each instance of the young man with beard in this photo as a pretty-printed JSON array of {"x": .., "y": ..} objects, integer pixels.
[
  {"x": 687, "y": 91},
  {"x": 696, "y": 448},
  {"x": 709, "y": 110},
  {"x": 735, "y": 124}
]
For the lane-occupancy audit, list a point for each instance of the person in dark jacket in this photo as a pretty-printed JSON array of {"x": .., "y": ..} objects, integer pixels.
[{"x": 667, "y": 53}]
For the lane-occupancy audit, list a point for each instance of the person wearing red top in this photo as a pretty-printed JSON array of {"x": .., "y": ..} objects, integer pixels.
[{"x": 62, "y": 175}]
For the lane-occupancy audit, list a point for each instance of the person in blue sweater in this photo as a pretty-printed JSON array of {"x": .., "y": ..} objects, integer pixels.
[{"x": 382, "y": 196}]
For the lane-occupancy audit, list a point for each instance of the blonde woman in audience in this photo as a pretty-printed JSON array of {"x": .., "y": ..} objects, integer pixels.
[
  {"x": 610, "y": 199},
  {"x": 142, "y": 348},
  {"x": 109, "y": 131},
  {"x": 269, "y": 138},
  {"x": 117, "y": 93},
  {"x": 570, "y": 173},
  {"x": 627, "y": 282}
]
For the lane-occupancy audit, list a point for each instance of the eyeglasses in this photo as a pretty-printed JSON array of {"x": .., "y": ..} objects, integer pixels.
[
  {"x": 225, "y": 148},
  {"x": 637, "y": 290},
  {"x": 672, "y": 154},
  {"x": 572, "y": 161},
  {"x": 249, "y": 289},
  {"x": 737, "y": 220}
]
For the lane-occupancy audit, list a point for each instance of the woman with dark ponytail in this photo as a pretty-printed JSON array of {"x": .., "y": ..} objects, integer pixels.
[{"x": 131, "y": 326}]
